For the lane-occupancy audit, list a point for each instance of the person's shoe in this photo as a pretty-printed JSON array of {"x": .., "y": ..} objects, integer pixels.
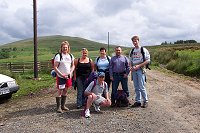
[
  {"x": 78, "y": 107},
  {"x": 136, "y": 104},
  {"x": 96, "y": 107},
  {"x": 87, "y": 113},
  {"x": 145, "y": 105},
  {"x": 113, "y": 105}
]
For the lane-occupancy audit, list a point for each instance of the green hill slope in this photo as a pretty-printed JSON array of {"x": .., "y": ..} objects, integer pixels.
[{"x": 22, "y": 51}]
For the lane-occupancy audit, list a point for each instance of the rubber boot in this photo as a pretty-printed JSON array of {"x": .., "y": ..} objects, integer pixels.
[
  {"x": 63, "y": 100},
  {"x": 58, "y": 101}
]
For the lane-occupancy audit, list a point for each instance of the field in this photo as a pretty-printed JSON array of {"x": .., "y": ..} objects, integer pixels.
[{"x": 183, "y": 59}]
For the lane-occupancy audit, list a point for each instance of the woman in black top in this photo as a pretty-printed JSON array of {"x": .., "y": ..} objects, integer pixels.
[{"x": 83, "y": 67}]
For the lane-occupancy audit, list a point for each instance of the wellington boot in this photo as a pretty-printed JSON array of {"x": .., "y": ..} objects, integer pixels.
[
  {"x": 63, "y": 100},
  {"x": 58, "y": 101}
]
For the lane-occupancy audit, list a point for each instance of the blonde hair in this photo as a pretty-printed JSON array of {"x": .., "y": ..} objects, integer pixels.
[{"x": 65, "y": 43}]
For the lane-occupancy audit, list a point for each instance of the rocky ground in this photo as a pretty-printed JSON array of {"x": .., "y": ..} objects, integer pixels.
[{"x": 174, "y": 107}]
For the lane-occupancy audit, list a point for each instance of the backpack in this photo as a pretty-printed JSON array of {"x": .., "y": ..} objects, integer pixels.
[
  {"x": 98, "y": 60},
  {"x": 122, "y": 99},
  {"x": 92, "y": 77},
  {"x": 143, "y": 56},
  {"x": 53, "y": 72}
]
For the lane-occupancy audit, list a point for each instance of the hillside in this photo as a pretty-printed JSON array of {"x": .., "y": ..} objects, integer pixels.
[
  {"x": 47, "y": 47},
  {"x": 182, "y": 59}
]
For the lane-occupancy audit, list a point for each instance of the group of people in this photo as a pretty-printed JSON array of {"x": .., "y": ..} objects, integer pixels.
[{"x": 113, "y": 70}]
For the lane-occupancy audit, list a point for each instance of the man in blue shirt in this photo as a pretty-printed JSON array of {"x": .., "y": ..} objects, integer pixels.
[{"x": 119, "y": 69}]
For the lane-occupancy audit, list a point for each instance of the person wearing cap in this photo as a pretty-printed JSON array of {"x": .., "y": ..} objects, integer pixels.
[
  {"x": 94, "y": 94},
  {"x": 119, "y": 69}
]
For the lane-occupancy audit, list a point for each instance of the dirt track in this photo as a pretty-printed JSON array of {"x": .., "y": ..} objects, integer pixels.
[{"x": 174, "y": 106}]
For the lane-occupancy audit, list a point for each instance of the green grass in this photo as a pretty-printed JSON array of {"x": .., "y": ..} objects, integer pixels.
[
  {"x": 47, "y": 47},
  {"x": 182, "y": 59},
  {"x": 179, "y": 58}
]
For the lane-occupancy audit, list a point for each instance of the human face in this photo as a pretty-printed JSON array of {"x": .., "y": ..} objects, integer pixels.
[
  {"x": 65, "y": 48},
  {"x": 102, "y": 53},
  {"x": 135, "y": 42},
  {"x": 84, "y": 52},
  {"x": 118, "y": 51},
  {"x": 101, "y": 79}
]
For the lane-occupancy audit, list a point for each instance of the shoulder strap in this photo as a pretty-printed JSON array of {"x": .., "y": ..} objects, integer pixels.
[
  {"x": 60, "y": 56},
  {"x": 95, "y": 82},
  {"x": 108, "y": 58},
  {"x": 70, "y": 56},
  {"x": 143, "y": 56},
  {"x": 142, "y": 51},
  {"x": 131, "y": 52},
  {"x": 78, "y": 63},
  {"x": 98, "y": 58}
]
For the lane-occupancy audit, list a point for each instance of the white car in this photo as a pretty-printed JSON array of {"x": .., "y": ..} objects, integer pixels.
[{"x": 8, "y": 86}]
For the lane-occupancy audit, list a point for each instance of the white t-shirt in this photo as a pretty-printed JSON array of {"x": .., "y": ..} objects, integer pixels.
[
  {"x": 137, "y": 57},
  {"x": 65, "y": 63}
]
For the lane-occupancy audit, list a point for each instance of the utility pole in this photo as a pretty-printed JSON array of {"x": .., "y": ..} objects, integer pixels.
[
  {"x": 108, "y": 44},
  {"x": 35, "y": 39}
]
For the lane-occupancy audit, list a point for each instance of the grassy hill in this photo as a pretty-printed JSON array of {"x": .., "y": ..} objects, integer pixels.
[
  {"x": 22, "y": 51},
  {"x": 183, "y": 59}
]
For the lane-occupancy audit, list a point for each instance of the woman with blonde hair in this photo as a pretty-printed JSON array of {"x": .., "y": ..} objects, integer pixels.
[
  {"x": 64, "y": 67},
  {"x": 83, "y": 67}
]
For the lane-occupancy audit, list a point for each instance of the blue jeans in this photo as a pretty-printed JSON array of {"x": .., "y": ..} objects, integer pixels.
[
  {"x": 117, "y": 78},
  {"x": 80, "y": 91},
  {"x": 139, "y": 84}
]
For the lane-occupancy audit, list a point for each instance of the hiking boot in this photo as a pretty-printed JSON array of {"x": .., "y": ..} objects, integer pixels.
[
  {"x": 145, "y": 105},
  {"x": 87, "y": 113},
  {"x": 58, "y": 101},
  {"x": 113, "y": 105},
  {"x": 136, "y": 104},
  {"x": 63, "y": 100},
  {"x": 96, "y": 107}
]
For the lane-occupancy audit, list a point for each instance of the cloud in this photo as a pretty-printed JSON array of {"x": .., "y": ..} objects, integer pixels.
[{"x": 155, "y": 21}]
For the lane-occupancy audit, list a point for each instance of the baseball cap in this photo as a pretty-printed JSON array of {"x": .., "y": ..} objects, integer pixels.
[{"x": 101, "y": 74}]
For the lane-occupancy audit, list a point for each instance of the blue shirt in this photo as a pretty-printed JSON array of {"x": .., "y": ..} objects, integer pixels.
[
  {"x": 119, "y": 64},
  {"x": 102, "y": 63}
]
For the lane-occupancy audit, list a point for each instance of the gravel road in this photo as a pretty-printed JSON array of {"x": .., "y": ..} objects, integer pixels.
[{"x": 174, "y": 107}]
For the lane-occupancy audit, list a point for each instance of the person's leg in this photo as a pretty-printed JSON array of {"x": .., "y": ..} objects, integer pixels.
[
  {"x": 90, "y": 99},
  {"x": 136, "y": 86},
  {"x": 64, "y": 94},
  {"x": 115, "y": 84},
  {"x": 141, "y": 83},
  {"x": 105, "y": 103},
  {"x": 124, "y": 82},
  {"x": 107, "y": 79},
  {"x": 58, "y": 97},
  {"x": 79, "y": 92}
]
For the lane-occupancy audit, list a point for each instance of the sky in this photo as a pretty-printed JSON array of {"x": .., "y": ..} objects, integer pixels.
[{"x": 154, "y": 21}]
